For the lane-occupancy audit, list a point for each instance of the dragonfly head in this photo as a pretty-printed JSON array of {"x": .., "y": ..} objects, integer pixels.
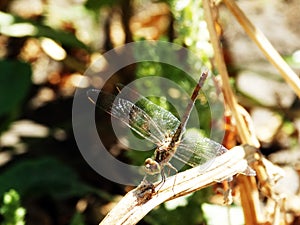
[{"x": 152, "y": 167}]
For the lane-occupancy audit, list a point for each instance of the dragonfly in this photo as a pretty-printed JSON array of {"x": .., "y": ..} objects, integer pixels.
[{"x": 162, "y": 128}]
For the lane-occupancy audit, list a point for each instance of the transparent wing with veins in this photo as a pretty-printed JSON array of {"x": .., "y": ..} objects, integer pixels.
[
  {"x": 152, "y": 124},
  {"x": 155, "y": 124},
  {"x": 197, "y": 151}
]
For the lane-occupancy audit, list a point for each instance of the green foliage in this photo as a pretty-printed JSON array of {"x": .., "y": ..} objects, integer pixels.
[
  {"x": 11, "y": 210},
  {"x": 65, "y": 38},
  {"x": 96, "y": 5},
  {"x": 191, "y": 29},
  {"x": 77, "y": 219},
  {"x": 43, "y": 176},
  {"x": 293, "y": 60},
  {"x": 15, "y": 82}
]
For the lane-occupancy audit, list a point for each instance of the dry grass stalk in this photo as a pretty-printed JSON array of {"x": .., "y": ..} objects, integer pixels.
[
  {"x": 138, "y": 202},
  {"x": 249, "y": 191}
]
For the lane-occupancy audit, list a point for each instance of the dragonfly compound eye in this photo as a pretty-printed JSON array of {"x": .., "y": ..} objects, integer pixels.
[{"x": 152, "y": 167}]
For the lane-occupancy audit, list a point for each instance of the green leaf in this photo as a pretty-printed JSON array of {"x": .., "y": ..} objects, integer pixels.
[
  {"x": 77, "y": 219},
  {"x": 43, "y": 176},
  {"x": 65, "y": 38},
  {"x": 15, "y": 82},
  {"x": 96, "y": 4}
]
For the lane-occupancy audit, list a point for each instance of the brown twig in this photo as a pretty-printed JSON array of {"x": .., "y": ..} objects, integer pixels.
[
  {"x": 248, "y": 187},
  {"x": 266, "y": 47},
  {"x": 227, "y": 91},
  {"x": 287, "y": 73},
  {"x": 133, "y": 207},
  {"x": 249, "y": 191}
]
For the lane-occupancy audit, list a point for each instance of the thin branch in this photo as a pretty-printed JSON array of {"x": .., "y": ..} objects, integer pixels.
[
  {"x": 266, "y": 47},
  {"x": 248, "y": 186},
  {"x": 249, "y": 196},
  {"x": 228, "y": 94},
  {"x": 138, "y": 202}
]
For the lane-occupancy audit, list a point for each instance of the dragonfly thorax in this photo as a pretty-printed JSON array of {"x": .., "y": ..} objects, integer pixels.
[{"x": 162, "y": 155}]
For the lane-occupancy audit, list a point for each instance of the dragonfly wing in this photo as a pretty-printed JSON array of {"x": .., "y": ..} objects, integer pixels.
[
  {"x": 167, "y": 122},
  {"x": 194, "y": 152},
  {"x": 127, "y": 112}
]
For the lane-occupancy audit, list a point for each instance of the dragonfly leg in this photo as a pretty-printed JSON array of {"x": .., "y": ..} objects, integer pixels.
[
  {"x": 176, "y": 171},
  {"x": 226, "y": 191},
  {"x": 163, "y": 179},
  {"x": 163, "y": 176},
  {"x": 171, "y": 167}
]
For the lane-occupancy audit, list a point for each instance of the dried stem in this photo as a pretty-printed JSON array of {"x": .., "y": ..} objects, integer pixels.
[
  {"x": 249, "y": 191},
  {"x": 227, "y": 91},
  {"x": 132, "y": 208},
  {"x": 266, "y": 47}
]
